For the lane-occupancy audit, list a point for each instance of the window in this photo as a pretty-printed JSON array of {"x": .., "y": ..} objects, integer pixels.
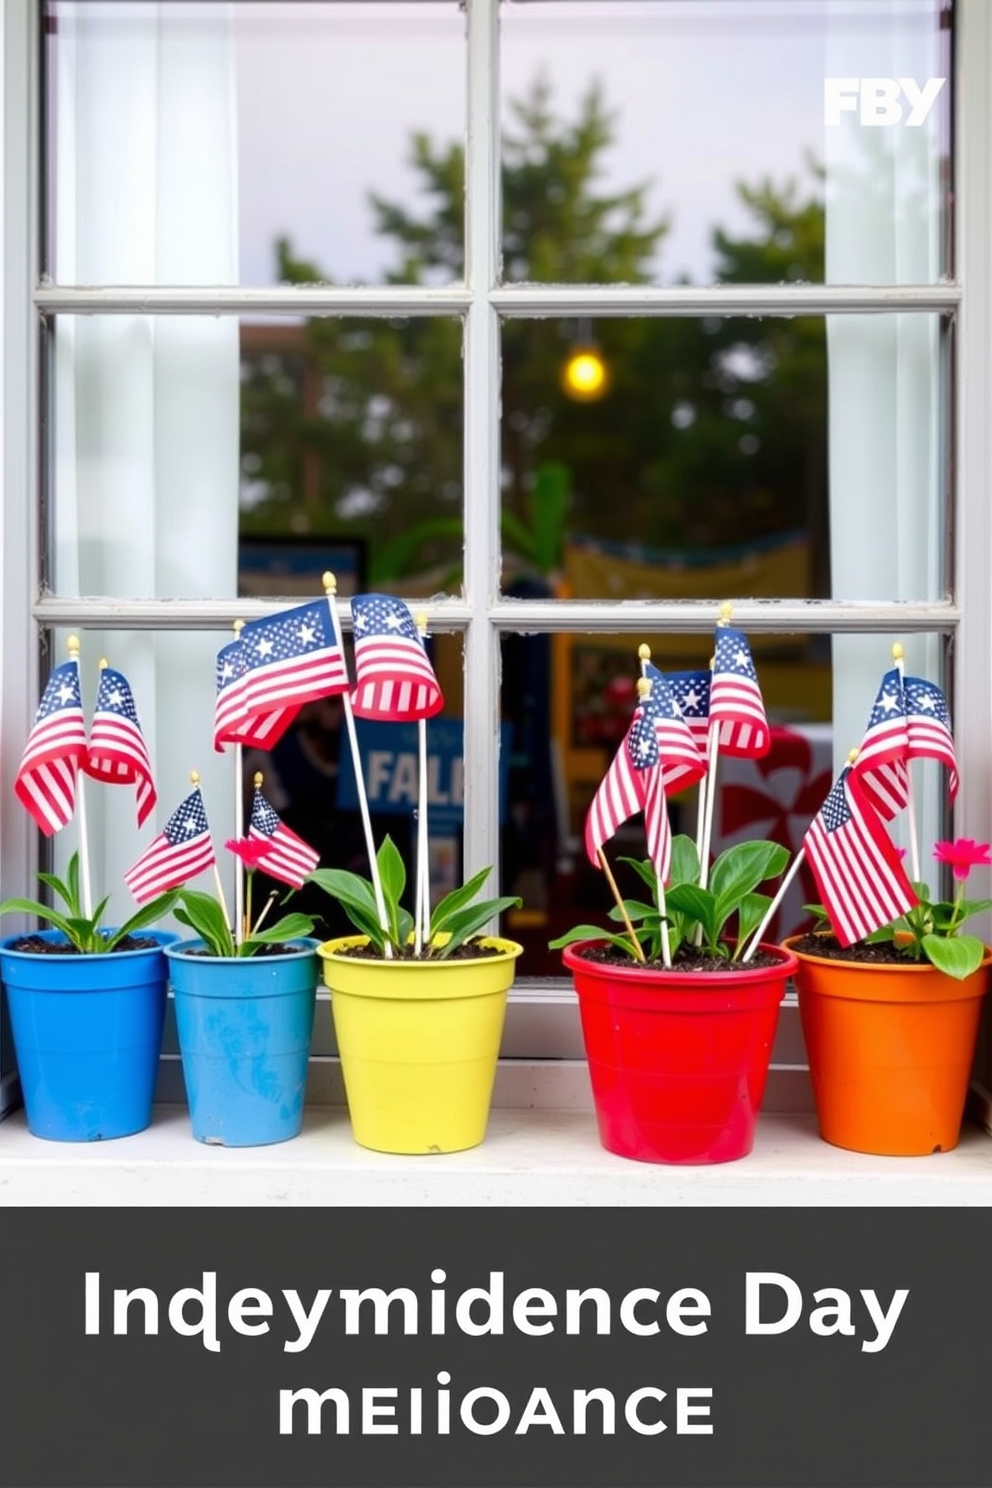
[{"x": 304, "y": 280}]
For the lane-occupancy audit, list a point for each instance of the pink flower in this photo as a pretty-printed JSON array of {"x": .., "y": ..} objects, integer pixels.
[
  {"x": 248, "y": 850},
  {"x": 963, "y": 855}
]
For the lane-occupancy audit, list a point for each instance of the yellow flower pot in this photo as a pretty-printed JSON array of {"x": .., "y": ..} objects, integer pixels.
[{"x": 418, "y": 1042}]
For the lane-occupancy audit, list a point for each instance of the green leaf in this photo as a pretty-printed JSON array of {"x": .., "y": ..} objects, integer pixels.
[
  {"x": 956, "y": 955},
  {"x": 742, "y": 868},
  {"x": 753, "y": 909},
  {"x": 465, "y": 923},
  {"x": 148, "y": 914},
  {"x": 204, "y": 915},
  {"x": 291, "y": 927},
  {"x": 457, "y": 899},
  {"x": 699, "y": 904},
  {"x": 636, "y": 910},
  {"x": 43, "y": 912},
  {"x": 63, "y": 890},
  {"x": 392, "y": 877},
  {"x": 356, "y": 897},
  {"x": 592, "y": 932},
  {"x": 685, "y": 861}
]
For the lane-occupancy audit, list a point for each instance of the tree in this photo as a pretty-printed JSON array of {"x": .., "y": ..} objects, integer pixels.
[{"x": 712, "y": 433}]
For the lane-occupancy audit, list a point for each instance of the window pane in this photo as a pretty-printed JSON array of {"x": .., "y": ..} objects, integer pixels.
[
  {"x": 195, "y": 457},
  {"x": 567, "y": 703},
  {"x": 252, "y": 143},
  {"x": 791, "y": 457},
  {"x": 646, "y": 138}
]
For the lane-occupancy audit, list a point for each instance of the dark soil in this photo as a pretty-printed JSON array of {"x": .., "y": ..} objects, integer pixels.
[
  {"x": 885, "y": 953},
  {"x": 35, "y": 946},
  {"x": 686, "y": 958},
  {"x": 469, "y": 951},
  {"x": 276, "y": 949}
]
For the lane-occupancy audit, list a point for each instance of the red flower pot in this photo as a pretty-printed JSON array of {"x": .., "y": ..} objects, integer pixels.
[{"x": 678, "y": 1060}]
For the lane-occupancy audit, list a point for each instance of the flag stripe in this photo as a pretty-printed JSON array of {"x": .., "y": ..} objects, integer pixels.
[
  {"x": 46, "y": 778},
  {"x": 858, "y": 873}
]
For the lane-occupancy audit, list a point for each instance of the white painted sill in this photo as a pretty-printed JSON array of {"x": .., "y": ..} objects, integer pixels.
[
  {"x": 541, "y": 1148},
  {"x": 543, "y": 1155}
]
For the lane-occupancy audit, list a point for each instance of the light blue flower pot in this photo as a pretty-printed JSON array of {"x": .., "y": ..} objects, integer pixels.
[
  {"x": 87, "y": 1033},
  {"x": 244, "y": 1025}
]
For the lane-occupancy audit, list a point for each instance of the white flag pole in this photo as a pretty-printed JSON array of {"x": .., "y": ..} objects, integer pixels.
[
  {"x": 783, "y": 888},
  {"x": 898, "y": 656},
  {"x": 330, "y": 589},
  {"x": 84, "y": 836},
  {"x": 644, "y": 692},
  {"x": 239, "y": 828},
  {"x": 422, "y": 895},
  {"x": 726, "y": 610}
]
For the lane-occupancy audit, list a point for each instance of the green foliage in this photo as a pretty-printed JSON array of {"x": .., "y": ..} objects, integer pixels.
[
  {"x": 691, "y": 910},
  {"x": 203, "y": 914},
  {"x": 930, "y": 931},
  {"x": 82, "y": 931},
  {"x": 454, "y": 920}
]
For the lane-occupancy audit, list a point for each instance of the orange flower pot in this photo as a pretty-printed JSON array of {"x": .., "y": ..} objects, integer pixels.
[{"x": 890, "y": 1051}]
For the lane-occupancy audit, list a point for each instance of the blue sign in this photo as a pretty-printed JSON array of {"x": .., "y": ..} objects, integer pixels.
[{"x": 390, "y": 763}]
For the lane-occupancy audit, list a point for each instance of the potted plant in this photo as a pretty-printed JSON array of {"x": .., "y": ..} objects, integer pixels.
[
  {"x": 244, "y": 998},
  {"x": 891, "y": 1020},
  {"x": 679, "y": 1046},
  {"x": 418, "y": 1019},
  {"x": 890, "y": 995},
  {"x": 679, "y": 1010},
  {"x": 87, "y": 1003},
  {"x": 87, "y": 1010}
]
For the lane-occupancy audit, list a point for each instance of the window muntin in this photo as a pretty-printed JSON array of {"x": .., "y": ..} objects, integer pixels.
[
  {"x": 249, "y": 144},
  {"x": 710, "y": 112}
]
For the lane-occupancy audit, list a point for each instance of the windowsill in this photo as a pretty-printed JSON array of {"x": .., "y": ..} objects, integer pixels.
[{"x": 547, "y": 1156}]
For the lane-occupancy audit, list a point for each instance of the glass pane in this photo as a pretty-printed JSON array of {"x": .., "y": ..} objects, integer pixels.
[
  {"x": 568, "y": 701},
  {"x": 719, "y": 457},
  {"x": 202, "y": 458},
  {"x": 711, "y": 141},
  {"x": 251, "y": 143}
]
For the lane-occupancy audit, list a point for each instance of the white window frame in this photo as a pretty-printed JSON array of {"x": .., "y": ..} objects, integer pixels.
[{"x": 543, "y": 1021}]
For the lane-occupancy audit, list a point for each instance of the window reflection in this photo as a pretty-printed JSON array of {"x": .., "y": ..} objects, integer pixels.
[
  {"x": 233, "y": 126},
  {"x": 727, "y": 456},
  {"x": 637, "y": 133},
  {"x": 351, "y": 432}
]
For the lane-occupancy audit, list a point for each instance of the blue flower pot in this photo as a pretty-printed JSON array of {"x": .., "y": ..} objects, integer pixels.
[
  {"x": 87, "y": 1032},
  {"x": 244, "y": 1025}
]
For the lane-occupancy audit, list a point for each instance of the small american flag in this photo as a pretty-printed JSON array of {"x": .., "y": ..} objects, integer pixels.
[
  {"x": 291, "y": 658},
  {"x": 287, "y": 857},
  {"x": 230, "y": 723},
  {"x": 180, "y": 851},
  {"x": 117, "y": 751},
  {"x": 735, "y": 698},
  {"x": 394, "y": 678},
  {"x": 691, "y": 691},
  {"x": 858, "y": 871},
  {"x": 928, "y": 724},
  {"x": 682, "y": 761},
  {"x": 880, "y": 765},
  {"x": 45, "y": 783},
  {"x": 634, "y": 782}
]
